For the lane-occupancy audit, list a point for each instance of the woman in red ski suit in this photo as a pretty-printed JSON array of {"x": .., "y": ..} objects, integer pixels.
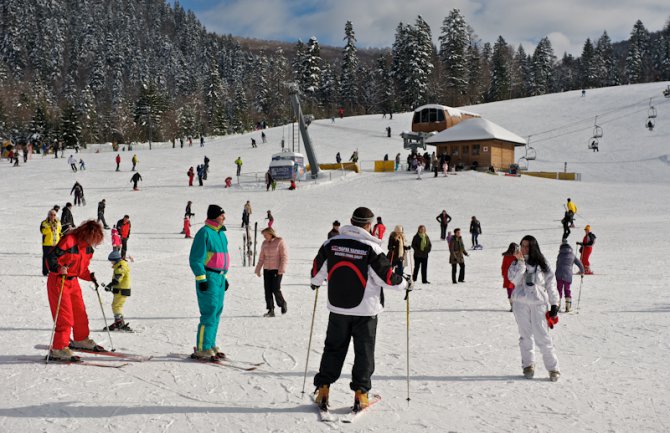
[{"x": 68, "y": 261}]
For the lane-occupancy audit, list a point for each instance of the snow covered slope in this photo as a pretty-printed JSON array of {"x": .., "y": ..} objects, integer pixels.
[{"x": 465, "y": 363}]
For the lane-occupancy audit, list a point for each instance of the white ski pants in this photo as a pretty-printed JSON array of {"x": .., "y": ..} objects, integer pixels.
[{"x": 533, "y": 330}]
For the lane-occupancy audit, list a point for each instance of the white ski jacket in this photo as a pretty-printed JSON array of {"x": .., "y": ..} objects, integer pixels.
[{"x": 532, "y": 286}]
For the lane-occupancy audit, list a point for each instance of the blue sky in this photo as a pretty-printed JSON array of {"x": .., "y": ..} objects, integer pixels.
[{"x": 567, "y": 22}]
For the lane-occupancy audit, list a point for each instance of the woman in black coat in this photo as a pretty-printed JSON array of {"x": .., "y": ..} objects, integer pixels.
[{"x": 421, "y": 246}]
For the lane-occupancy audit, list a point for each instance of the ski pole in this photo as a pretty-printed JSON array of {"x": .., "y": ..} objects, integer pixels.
[
  {"x": 309, "y": 344},
  {"x": 407, "y": 320},
  {"x": 53, "y": 330},
  {"x": 109, "y": 334},
  {"x": 579, "y": 298}
]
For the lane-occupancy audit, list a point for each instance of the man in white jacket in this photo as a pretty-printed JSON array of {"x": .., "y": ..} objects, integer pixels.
[
  {"x": 357, "y": 271},
  {"x": 534, "y": 291}
]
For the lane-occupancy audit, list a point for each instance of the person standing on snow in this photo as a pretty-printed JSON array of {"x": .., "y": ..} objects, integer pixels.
[
  {"x": 116, "y": 239},
  {"x": 78, "y": 191},
  {"x": 238, "y": 163},
  {"x": 566, "y": 225},
  {"x": 51, "y": 230},
  {"x": 534, "y": 292},
  {"x": 73, "y": 163},
  {"x": 246, "y": 214},
  {"x": 136, "y": 178},
  {"x": 444, "y": 219},
  {"x": 118, "y": 161},
  {"x": 564, "y": 262},
  {"x": 66, "y": 218},
  {"x": 120, "y": 287},
  {"x": 421, "y": 246},
  {"x": 101, "y": 213},
  {"x": 508, "y": 259},
  {"x": 135, "y": 160},
  {"x": 571, "y": 207},
  {"x": 456, "y": 257},
  {"x": 397, "y": 246},
  {"x": 475, "y": 231},
  {"x": 379, "y": 229},
  {"x": 354, "y": 302},
  {"x": 272, "y": 259},
  {"x": 335, "y": 230},
  {"x": 68, "y": 261},
  {"x": 586, "y": 248},
  {"x": 270, "y": 219},
  {"x": 209, "y": 261},
  {"x": 123, "y": 226},
  {"x": 191, "y": 174}
]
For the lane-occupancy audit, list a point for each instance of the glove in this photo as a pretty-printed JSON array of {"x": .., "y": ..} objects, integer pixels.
[
  {"x": 580, "y": 243},
  {"x": 108, "y": 287},
  {"x": 552, "y": 320},
  {"x": 227, "y": 285},
  {"x": 410, "y": 282},
  {"x": 94, "y": 280},
  {"x": 314, "y": 286},
  {"x": 203, "y": 286},
  {"x": 554, "y": 311}
]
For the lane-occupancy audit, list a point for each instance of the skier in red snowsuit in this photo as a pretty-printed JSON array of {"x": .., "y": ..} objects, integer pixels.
[
  {"x": 586, "y": 247},
  {"x": 68, "y": 261},
  {"x": 191, "y": 174}
]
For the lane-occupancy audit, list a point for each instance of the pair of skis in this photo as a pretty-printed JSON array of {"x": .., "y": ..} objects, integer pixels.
[
  {"x": 125, "y": 357},
  {"x": 326, "y": 415}
]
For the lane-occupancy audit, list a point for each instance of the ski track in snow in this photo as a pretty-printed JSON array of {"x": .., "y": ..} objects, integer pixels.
[{"x": 464, "y": 358}]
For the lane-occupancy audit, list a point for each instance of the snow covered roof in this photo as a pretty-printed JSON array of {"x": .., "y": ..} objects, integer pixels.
[
  {"x": 476, "y": 129},
  {"x": 453, "y": 112}
]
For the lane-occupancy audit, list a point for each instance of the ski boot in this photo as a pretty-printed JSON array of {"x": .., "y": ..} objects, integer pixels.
[
  {"x": 87, "y": 344},
  {"x": 284, "y": 308},
  {"x": 64, "y": 354},
  {"x": 587, "y": 270},
  {"x": 360, "y": 401},
  {"x": 118, "y": 324},
  {"x": 217, "y": 353},
  {"x": 568, "y": 305},
  {"x": 203, "y": 355},
  {"x": 321, "y": 398},
  {"x": 529, "y": 372},
  {"x": 511, "y": 308},
  {"x": 554, "y": 375},
  {"x": 270, "y": 313}
]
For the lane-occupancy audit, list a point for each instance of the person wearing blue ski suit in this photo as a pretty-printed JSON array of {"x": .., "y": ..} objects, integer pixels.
[{"x": 209, "y": 261}]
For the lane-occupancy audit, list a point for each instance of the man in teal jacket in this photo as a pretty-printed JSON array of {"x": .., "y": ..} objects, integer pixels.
[{"x": 209, "y": 262}]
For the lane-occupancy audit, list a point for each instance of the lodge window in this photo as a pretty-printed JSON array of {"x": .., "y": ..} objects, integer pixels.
[
  {"x": 475, "y": 149},
  {"x": 466, "y": 149}
]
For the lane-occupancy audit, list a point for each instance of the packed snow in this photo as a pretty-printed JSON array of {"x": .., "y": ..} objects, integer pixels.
[{"x": 465, "y": 367}]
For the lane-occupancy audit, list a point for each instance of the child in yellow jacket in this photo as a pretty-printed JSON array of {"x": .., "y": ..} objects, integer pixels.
[{"x": 120, "y": 286}]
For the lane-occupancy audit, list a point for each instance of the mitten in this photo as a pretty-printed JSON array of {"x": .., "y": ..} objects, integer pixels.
[
  {"x": 554, "y": 311},
  {"x": 314, "y": 286},
  {"x": 203, "y": 286}
]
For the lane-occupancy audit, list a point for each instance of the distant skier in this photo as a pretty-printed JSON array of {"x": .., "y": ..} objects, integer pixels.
[
  {"x": 200, "y": 172},
  {"x": 566, "y": 225},
  {"x": 123, "y": 226},
  {"x": 72, "y": 161},
  {"x": 101, "y": 213},
  {"x": 572, "y": 209},
  {"x": 354, "y": 157},
  {"x": 120, "y": 287},
  {"x": 136, "y": 178},
  {"x": 51, "y": 230},
  {"x": 205, "y": 168},
  {"x": 475, "y": 231},
  {"x": 116, "y": 239},
  {"x": 118, "y": 161},
  {"x": 268, "y": 180},
  {"x": 338, "y": 158},
  {"x": 253, "y": 143},
  {"x": 187, "y": 228},
  {"x": 586, "y": 248},
  {"x": 564, "y": 262},
  {"x": 270, "y": 219},
  {"x": 508, "y": 259},
  {"x": 397, "y": 161},
  {"x": 421, "y": 246},
  {"x": 397, "y": 248},
  {"x": 534, "y": 292},
  {"x": 202, "y": 141},
  {"x": 379, "y": 229},
  {"x": 444, "y": 219},
  {"x": 238, "y": 163},
  {"x": 82, "y": 164},
  {"x": 264, "y": 137},
  {"x": 135, "y": 161},
  {"x": 246, "y": 214},
  {"x": 272, "y": 260},
  {"x": 191, "y": 174},
  {"x": 66, "y": 218},
  {"x": 78, "y": 192},
  {"x": 456, "y": 257}
]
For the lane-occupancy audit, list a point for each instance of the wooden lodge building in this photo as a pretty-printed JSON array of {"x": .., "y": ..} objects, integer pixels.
[{"x": 477, "y": 139}]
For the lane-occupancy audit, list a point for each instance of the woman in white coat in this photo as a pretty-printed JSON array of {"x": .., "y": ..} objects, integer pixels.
[{"x": 534, "y": 292}]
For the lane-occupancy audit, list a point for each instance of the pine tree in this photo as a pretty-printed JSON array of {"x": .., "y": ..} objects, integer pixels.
[
  {"x": 520, "y": 74},
  {"x": 638, "y": 58},
  {"x": 311, "y": 67},
  {"x": 454, "y": 44},
  {"x": 239, "y": 121},
  {"x": 543, "y": 67},
  {"x": 70, "y": 127},
  {"x": 500, "y": 86},
  {"x": 606, "y": 65},
  {"x": 214, "y": 100},
  {"x": 348, "y": 78},
  {"x": 588, "y": 70}
]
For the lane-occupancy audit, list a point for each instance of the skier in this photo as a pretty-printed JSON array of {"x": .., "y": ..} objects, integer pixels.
[
  {"x": 396, "y": 249},
  {"x": 66, "y": 218},
  {"x": 116, "y": 239},
  {"x": 268, "y": 180},
  {"x": 354, "y": 302},
  {"x": 263, "y": 137},
  {"x": 101, "y": 213},
  {"x": 120, "y": 287},
  {"x": 397, "y": 161},
  {"x": 238, "y": 163},
  {"x": 123, "y": 226},
  {"x": 68, "y": 261},
  {"x": 534, "y": 291},
  {"x": 187, "y": 212},
  {"x": 118, "y": 161},
  {"x": 253, "y": 143},
  {"x": 135, "y": 160},
  {"x": 419, "y": 170},
  {"x": 572, "y": 209},
  {"x": 209, "y": 261},
  {"x": 82, "y": 164},
  {"x": 292, "y": 185},
  {"x": 354, "y": 157},
  {"x": 78, "y": 191},
  {"x": 508, "y": 259},
  {"x": 202, "y": 141},
  {"x": 566, "y": 225},
  {"x": 187, "y": 228},
  {"x": 388, "y": 131},
  {"x": 456, "y": 253},
  {"x": 200, "y": 172},
  {"x": 421, "y": 246},
  {"x": 475, "y": 231},
  {"x": 564, "y": 262},
  {"x": 246, "y": 214},
  {"x": 205, "y": 168},
  {"x": 191, "y": 174},
  {"x": 379, "y": 229},
  {"x": 51, "y": 230},
  {"x": 338, "y": 158},
  {"x": 136, "y": 178},
  {"x": 270, "y": 219},
  {"x": 272, "y": 260},
  {"x": 444, "y": 219},
  {"x": 71, "y": 160},
  {"x": 335, "y": 230},
  {"x": 585, "y": 248}
]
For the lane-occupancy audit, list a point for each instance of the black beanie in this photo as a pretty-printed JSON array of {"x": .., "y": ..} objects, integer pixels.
[
  {"x": 214, "y": 211},
  {"x": 362, "y": 216}
]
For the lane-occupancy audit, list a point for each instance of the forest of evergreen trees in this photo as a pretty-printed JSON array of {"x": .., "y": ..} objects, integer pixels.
[{"x": 124, "y": 70}]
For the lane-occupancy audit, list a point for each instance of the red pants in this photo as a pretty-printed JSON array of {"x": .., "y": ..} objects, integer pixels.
[
  {"x": 187, "y": 230},
  {"x": 190, "y": 181},
  {"x": 586, "y": 253},
  {"x": 72, "y": 312}
]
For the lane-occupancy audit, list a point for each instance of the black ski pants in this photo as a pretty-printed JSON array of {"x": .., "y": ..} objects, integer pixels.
[
  {"x": 443, "y": 231},
  {"x": 101, "y": 217},
  {"x": 566, "y": 230},
  {"x": 341, "y": 329},
  {"x": 272, "y": 284},
  {"x": 420, "y": 262},
  {"x": 124, "y": 246},
  {"x": 461, "y": 274}
]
